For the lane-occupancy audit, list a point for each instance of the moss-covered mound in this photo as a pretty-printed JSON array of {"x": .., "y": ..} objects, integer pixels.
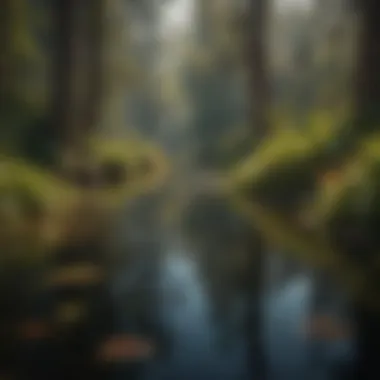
[
  {"x": 37, "y": 206},
  {"x": 127, "y": 168},
  {"x": 31, "y": 204},
  {"x": 287, "y": 166},
  {"x": 280, "y": 170},
  {"x": 349, "y": 206},
  {"x": 342, "y": 190}
]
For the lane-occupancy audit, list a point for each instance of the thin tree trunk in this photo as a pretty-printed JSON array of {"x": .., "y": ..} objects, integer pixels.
[
  {"x": 78, "y": 74},
  {"x": 95, "y": 77},
  {"x": 5, "y": 23},
  {"x": 367, "y": 103},
  {"x": 258, "y": 66},
  {"x": 259, "y": 87},
  {"x": 367, "y": 86},
  {"x": 63, "y": 67}
]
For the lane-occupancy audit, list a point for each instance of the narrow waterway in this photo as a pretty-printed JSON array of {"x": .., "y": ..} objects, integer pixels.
[
  {"x": 166, "y": 286},
  {"x": 163, "y": 292}
]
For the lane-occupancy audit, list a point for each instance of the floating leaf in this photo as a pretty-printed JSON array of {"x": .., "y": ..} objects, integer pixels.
[
  {"x": 122, "y": 348},
  {"x": 76, "y": 274},
  {"x": 328, "y": 328},
  {"x": 34, "y": 330}
]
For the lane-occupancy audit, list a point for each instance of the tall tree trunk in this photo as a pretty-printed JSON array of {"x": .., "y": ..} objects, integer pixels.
[
  {"x": 5, "y": 22},
  {"x": 78, "y": 71},
  {"x": 14, "y": 59},
  {"x": 113, "y": 47},
  {"x": 258, "y": 63},
  {"x": 367, "y": 91},
  {"x": 259, "y": 87},
  {"x": 367, "y": 108},
  {"x": 63, "y": 67},
  {"x": 95, "y": 66}
]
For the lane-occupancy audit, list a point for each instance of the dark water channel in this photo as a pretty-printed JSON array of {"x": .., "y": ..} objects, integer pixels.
[
  {"x": 176, "y": 306},
  {"x": 165, "y": 273}
]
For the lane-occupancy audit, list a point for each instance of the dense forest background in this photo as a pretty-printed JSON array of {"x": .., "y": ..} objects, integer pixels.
[{"x": 249, "y": 127}]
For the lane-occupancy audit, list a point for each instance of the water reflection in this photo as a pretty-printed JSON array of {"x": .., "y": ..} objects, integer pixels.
[
  {"x": 185, "y": 310},
  {"x": 163, "y": 293},
  {"x": 292, "y": 354},
  {"x": 286, "y": 311}
]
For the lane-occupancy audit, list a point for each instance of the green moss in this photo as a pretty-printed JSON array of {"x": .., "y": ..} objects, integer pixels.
[
  {"x": 27, "y": 196},
  {"x": 281, "y": 170},
  {"x": 140, "y": 162},
  {"x": 357, "y": 190},
  {"x": 346, "y": 207},
  {"x": 286, "y": 166}
]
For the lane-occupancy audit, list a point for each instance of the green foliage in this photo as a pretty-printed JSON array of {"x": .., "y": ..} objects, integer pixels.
[
  {"x": 29, "y": 198},
  {"x": 280, "y": 168},
  {"x": 23, "y": 44},
  {"x": 348, "y": 208},
  {"x": 23, "y": 51},
  {"x": 287, "y": 165},
  {"x": 22, "y": 58},
  {"x": 145, "y": 167},
  {"x": 357, "y": 190},
  {"x": 343, "y": 196}
]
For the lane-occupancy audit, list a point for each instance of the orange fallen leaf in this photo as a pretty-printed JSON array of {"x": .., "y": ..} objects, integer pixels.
[
  {"x": 125, "y": 347},
  {"x": 327, "y": 328},
  {"x": 34, "y": 329}
]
